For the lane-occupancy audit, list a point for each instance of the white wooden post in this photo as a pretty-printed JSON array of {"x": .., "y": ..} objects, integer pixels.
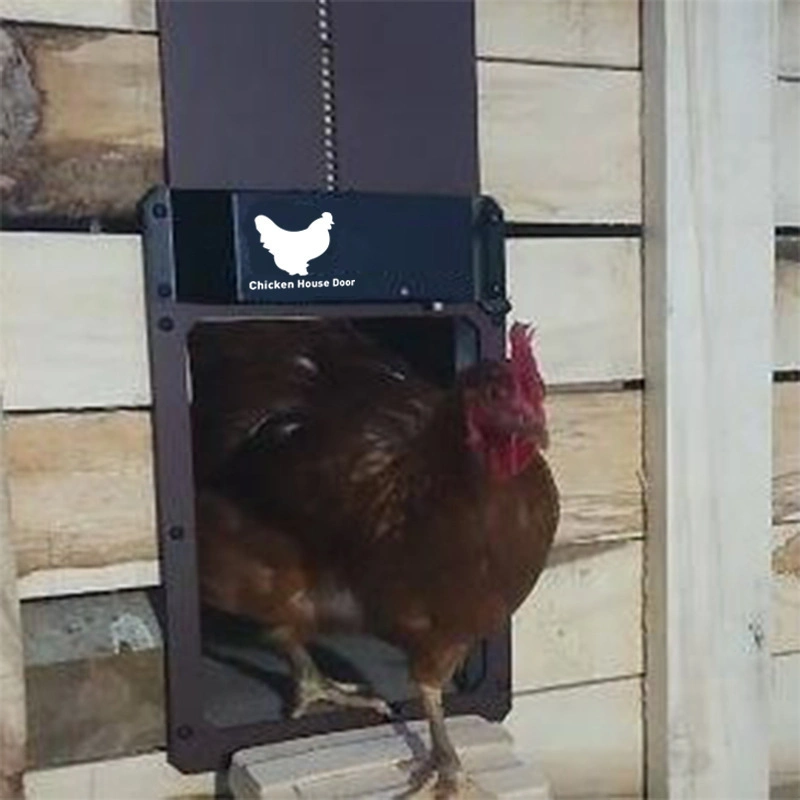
[{"x": 709, "y": 72}]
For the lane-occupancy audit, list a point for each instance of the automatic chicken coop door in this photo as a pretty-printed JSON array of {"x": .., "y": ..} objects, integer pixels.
[{"x": 424, "y": 278}]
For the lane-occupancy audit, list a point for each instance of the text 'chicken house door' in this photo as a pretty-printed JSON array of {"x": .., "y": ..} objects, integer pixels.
[{"x": 345, "y": 247}]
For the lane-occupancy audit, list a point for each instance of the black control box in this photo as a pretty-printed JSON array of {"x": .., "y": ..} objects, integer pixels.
[{"x": 314, "y": 247}]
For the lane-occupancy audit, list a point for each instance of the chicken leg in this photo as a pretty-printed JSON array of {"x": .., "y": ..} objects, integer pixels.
[
  {"x": 444, "y": 760},
  {"x": 452, "y": 782},
  {"x": 432, "y": 668}
]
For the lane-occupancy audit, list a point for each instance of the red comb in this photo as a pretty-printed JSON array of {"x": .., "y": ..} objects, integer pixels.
[{"x": 523, "y": 361}]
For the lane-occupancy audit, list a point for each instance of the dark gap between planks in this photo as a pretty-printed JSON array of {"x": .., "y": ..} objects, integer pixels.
[{"x": 514, "y": 230}]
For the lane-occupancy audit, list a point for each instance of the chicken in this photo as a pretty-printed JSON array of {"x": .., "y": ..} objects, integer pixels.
[
  {"x": 292, "y": 250},
  {"x": 338, "y": 491}
]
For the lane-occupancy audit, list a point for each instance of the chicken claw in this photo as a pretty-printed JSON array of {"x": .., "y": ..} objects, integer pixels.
[
  {"x": 431, "y": 781},
  {"x": 313, "y": 687}
]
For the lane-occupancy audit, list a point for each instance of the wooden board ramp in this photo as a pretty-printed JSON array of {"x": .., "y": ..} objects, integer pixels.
[{"x": 379, "y": 763}]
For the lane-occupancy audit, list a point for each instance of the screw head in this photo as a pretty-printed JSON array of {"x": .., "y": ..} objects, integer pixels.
[
  {"x": 164, "y": 290},
  {"x": 159, "y": 211},
  {"x": 176, "y": 532},
  {"x": 185, "y": 732},
  {"x": 166, "y": 323}
]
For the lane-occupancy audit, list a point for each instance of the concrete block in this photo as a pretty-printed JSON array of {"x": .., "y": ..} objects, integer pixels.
[{"x": 381, "y": 763}]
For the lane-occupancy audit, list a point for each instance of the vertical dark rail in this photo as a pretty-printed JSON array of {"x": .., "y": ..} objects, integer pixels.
[
  {"x": 406, "y": 98},
  {"x": 243, "y": 104},
  {"x": 241, "y": 94}
]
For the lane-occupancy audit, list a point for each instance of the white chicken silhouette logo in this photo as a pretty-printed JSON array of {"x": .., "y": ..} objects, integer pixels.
[{"x": 292, "y": 250}]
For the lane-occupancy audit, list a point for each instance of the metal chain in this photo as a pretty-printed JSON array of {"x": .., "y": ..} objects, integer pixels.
[{"x": 329, "y": 153}]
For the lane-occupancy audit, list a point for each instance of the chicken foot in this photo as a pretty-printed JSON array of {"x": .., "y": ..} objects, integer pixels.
[{"x": 312, "y": 687}]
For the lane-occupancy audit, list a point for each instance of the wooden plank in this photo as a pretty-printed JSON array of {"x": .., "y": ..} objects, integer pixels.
[
  {"x": 785, "y": 633},
  {"x": 785, "y": 720},
  {"x": 117, "y": 14},
  {"x": 560, "y": 145},
  {"x": 77, "y": 529},
  {"x": 95, "y": 708},
  {"x": 556, "y": 144},
  {"x": 708, "y": 98},
  {"x": 133, "y": 778},
  {"x": 588, "y": 32},
  {"x": 97, "y": 147},
  {"x": 789, "y": 38},
  {"x": 587, "y": 738},
  {"x": 73, "y": 321},
  {"x": 81, "y": 490},
  {"x": 583, "y": 621},
  {"x": 82, "y": 496},
  {"x": 81, "y": 342},
  {"x": 13, "y": 733},
  {"x": 591, "y": 32},
  {"x": 64, "y": 581},
  {"x": 89, "y": 143},
  {"x": 584, "y": 296},
  {"x": 786, "y": 452},
  {"x": 595, "y": 454},
  {"x": 582, "y": 624},
  {"x": 94, "y": 669},
  {"x": 786, "y": 334},
  {"x": 787, "y": 153}
]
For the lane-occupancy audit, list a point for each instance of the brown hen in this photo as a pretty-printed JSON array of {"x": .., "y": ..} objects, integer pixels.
[{"x": 339, "y": 491}]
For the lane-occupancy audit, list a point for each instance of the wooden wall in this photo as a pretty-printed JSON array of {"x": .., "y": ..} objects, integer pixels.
[{"x": 560, "y": 142}]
